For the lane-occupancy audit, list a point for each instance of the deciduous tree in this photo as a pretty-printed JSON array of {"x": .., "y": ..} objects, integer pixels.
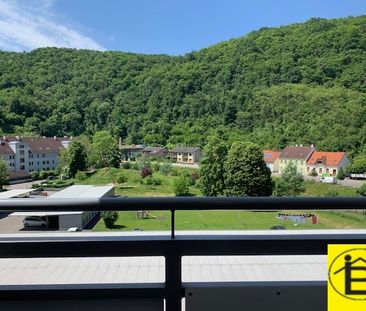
[{"x": 246, "y": 173}]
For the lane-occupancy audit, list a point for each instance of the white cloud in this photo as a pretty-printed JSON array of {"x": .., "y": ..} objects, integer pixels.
[{"x": 25, "y": 28}]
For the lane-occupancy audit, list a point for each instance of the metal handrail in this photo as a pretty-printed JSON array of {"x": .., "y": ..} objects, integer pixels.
[{"x": 173, "y": 247}]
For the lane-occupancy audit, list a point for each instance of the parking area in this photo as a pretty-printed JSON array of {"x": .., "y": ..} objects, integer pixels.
[{"x": 10, "y": 224}]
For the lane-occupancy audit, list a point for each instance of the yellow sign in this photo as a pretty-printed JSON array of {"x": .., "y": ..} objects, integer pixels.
[{"x": 347, "y": 277}]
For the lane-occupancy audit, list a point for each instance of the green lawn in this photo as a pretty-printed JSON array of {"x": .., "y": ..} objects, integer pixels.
[
  {"x": 216, "y": 220},
  {"x": 133, "y": 187},
  {"x": 233, "y": 220},
  {"x": 317, "y": 189}
]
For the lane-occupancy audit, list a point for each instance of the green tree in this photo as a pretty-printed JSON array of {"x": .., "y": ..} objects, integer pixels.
[
  {"x": 246, "y": 173},
  {"x": 181, "y": 186},
  {"x": 4, "y": 174},
  {"x": 291, "y": 182},
  {"x": 77, "y": 158},
  {"x": 109, "y": 218},
  {"x": 212, "y": 171},
  {"x": 358, "y": 166},
  {"x": 105, "y": 149},
  {"x": 341, "y": 175}
]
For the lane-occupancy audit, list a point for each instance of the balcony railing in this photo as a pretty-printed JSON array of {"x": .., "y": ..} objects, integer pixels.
[{"x": 173, "y": 247}]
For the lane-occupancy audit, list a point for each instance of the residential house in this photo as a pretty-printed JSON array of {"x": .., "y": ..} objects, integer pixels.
[
  {"x": 155, "y": 152},
  {"x": 131, "y": 152},
  {"x": 187, "y": 155},
  {"x": 298, "y": 155},
  {"x": 272, "y": 160},
  {"x": 327, "y": 162}
]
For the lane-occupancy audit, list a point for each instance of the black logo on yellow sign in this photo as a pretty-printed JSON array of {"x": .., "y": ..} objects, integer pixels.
[{"x": 347, "y": 274}]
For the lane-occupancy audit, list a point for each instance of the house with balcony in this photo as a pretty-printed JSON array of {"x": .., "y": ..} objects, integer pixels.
[
  {"x": 186, "y": 155},
  {"x": 298, "y": 155},
  {"x": 272, "y": 160},
  {"x": 327, "y": 162}
]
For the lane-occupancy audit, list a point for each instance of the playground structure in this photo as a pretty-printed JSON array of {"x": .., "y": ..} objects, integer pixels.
[{"x": 145, "y": 215}]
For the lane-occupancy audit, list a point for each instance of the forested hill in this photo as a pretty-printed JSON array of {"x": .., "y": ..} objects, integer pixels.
[{"x": 303, "y": 83}]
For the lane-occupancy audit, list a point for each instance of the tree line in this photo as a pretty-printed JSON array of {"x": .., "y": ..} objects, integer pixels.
[{"x": 297, "y": 84}]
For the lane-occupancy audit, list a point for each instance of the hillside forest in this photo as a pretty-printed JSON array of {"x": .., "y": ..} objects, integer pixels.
[{"x": 297, "y": 84}]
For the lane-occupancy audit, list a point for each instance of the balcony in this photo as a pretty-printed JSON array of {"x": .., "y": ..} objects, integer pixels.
[{"x": 173, "y": 253}]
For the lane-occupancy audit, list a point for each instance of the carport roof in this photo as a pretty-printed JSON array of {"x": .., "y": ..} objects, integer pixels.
[
  {"x": 14, "y": 193},
  {"x": 82, "y": 191}
]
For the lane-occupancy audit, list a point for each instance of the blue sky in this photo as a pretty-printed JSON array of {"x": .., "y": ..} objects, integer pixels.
[{"x": 151, "y": 26}]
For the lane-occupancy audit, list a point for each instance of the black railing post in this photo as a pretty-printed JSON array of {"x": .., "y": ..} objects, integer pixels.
[
  {"x": 173, "y": 280},
  {"x": 172, "y": 224}
]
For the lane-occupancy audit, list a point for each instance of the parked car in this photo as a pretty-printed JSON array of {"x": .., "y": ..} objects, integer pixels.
[
  {"x": 328, "y": 180},
  {"x": 35, "y": 221}
]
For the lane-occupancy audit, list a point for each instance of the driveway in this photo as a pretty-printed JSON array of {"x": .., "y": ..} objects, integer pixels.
[
  {"x": 25, "y": 185},
  {"x": 10, "y": 224}
]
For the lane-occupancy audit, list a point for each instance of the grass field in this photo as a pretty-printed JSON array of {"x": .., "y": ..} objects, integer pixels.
[
  {"x": 133, "y": 187},
  {"x": 233, "y": 220},
  {"x": 216, "y": 220}
]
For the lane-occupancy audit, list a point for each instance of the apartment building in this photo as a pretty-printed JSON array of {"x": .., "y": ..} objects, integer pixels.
[{"x": 28, "y": 154}]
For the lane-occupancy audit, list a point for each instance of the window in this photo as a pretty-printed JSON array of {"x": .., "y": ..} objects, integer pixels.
[
  {"x": 48, "y": 162},
  {"x": 31, "y": 155},
  {"x": 21, "y": 160},
  {"x": 21, "y": 152},
  {"x": 21, "y": 146},
  {"x": 22, "y": 167},
  {"x": 43, "y": 155},
  {"x": 37, "y": 155}
]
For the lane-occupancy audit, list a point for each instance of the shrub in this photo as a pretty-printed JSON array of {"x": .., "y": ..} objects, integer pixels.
[
  {"x": 126, "y": 165},
  {"x": 80, "y": 175},
  {"x": 166, "y": 168},
  {"x": 181, "y": 186},
  {"x": 135, "y": 166},
  {"x": 174, "y": 172},
  {"x": 35, "y": 175},
  {"x": 313, "y": 173},
  {"x": 362, "y": 190},
  {"x": 109, "y": 218},
  {"x": 43, "y": 174},
  {"x": 155, "y": 166},
  {"x": 151, "y": 181},
  {"x": 146, "y": 171},
  {"x": 121, "y": 178},
  {"x": 195, "y": 176}
]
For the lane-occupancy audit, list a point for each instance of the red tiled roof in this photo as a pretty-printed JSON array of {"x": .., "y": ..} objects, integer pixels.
[
  {"x": 40, "y": 144},
  {"x": 5, "y": 149},
  {"x": 328, "y": 158},
  {"x": 297, "y": 152},
  {"x": 270, "y": 156},
  {"x": 43, "y": 145}
]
